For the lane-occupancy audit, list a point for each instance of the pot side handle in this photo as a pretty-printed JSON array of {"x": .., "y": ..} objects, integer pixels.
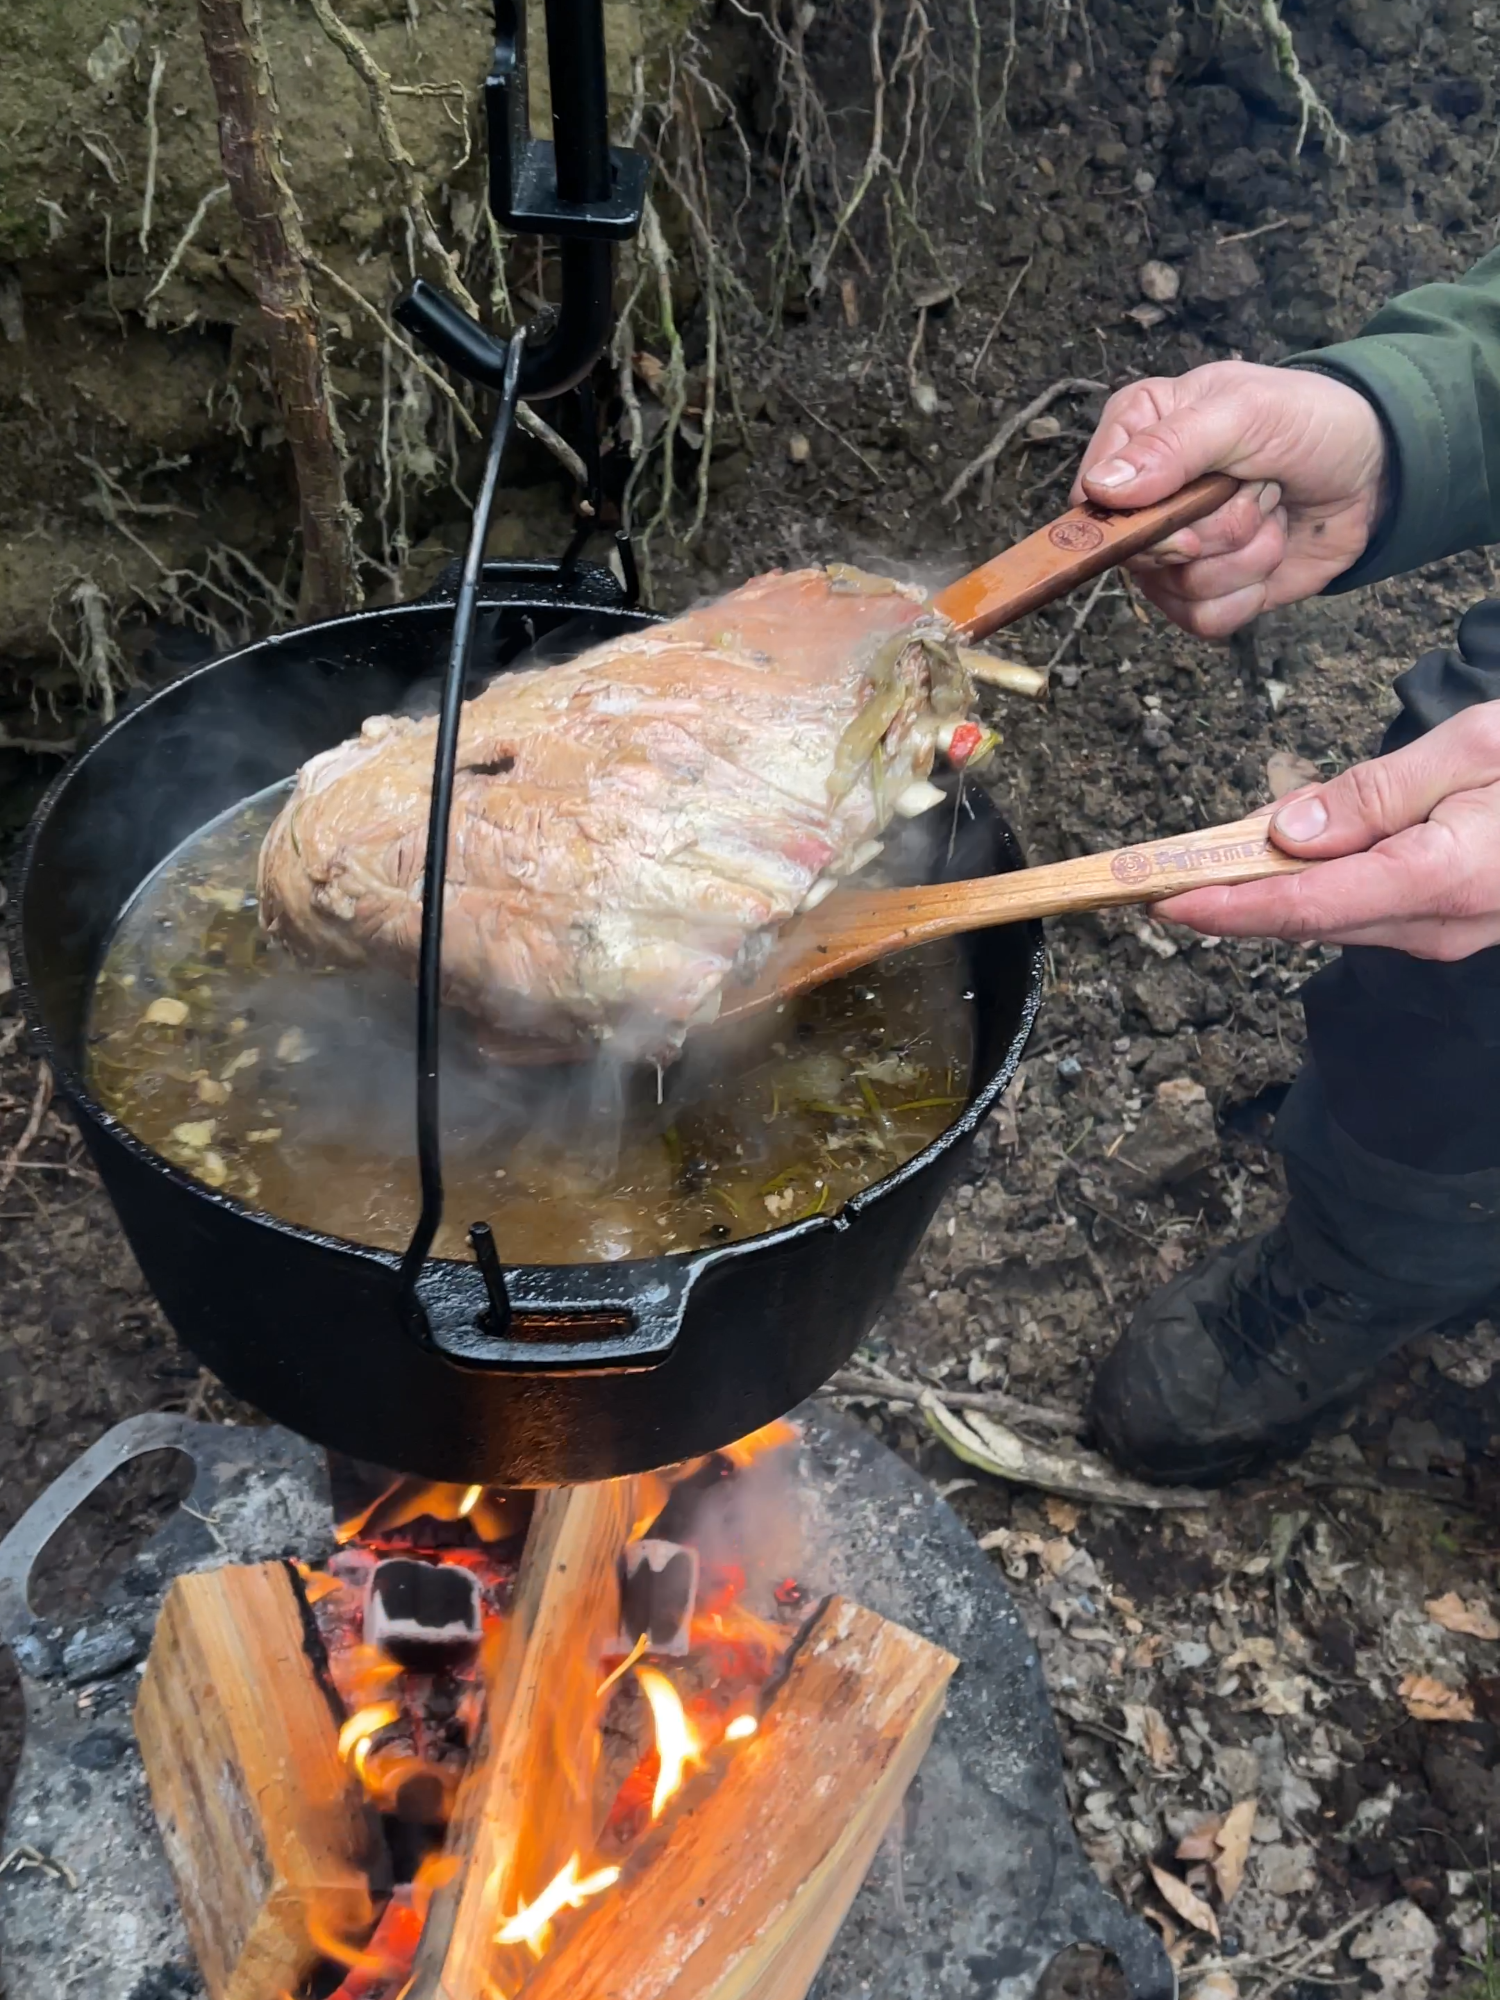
[{"x": 605, "y": 1319}]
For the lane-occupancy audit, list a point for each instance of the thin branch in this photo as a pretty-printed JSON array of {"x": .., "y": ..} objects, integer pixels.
[
  {"x": 1080, "y": 619},
  {"x": 999, "y": 320},
  {"x": 882, "y": 1389},
  {"x": 1070, "y": 385},
  {"x": 561, "y": 450},
  {"x": 39, "y": 1103},
  {"x": 838, "y": 436}
]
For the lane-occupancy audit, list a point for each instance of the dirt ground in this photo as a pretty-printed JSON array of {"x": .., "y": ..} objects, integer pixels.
[{"x": 1251, "y": 1650}]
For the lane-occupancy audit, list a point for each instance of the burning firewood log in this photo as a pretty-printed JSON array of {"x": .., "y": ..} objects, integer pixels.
[
  {"x": 266, "y": 1835},
  {"x": 739, "y": 1893},
  {"x": 526, "y": 1805}
]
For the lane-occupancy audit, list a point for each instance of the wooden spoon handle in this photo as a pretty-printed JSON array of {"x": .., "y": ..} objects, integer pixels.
[
  {"x": 856, "y": 926},
  {"x": 1076, "y": 546}
]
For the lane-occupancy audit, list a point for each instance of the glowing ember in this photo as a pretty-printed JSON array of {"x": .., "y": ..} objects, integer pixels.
[
  {"x": 741, "y": 1727},
  {"x": 676, "y": 1745},
  {"x": 532, "y": 1923}
]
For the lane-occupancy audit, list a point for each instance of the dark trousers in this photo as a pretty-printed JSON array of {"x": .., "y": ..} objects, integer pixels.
[
  {"x": 1407, "y": 1050},
  {"x": 1391, "y": 1134}
]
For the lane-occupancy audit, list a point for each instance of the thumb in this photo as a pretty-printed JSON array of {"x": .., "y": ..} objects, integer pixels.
[
  {"x": 1158, "y": 460},
  {"x": 1365, "y": 804}
]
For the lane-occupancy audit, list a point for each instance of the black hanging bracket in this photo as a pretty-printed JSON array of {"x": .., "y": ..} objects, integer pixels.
[{"x": 575, "y": 186}]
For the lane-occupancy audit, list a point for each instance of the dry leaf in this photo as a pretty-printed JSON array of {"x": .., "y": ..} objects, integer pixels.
[
  {"x": 1473, "y": 1619},
  {"x": 1215, "y": 1986},
  {"x": 1202, "y": 1843},
  {"x": 1161, "y": 1747},
  {"x": 1147, "y": 1730},
  {"x": 1286, "y": 773},
  {"x": 1429, "y": 1700},
  {"x": 1192, "y": 1909},
  {"x": 649, "y": 370},
  {"x": 849, "y": 297},
  {"x": 1065, "y": 1517},
  {"x": 1056, "y": 1554},
  {"x": 1234, "y": 1848},
  {"x": 1146, "y": 1652}
]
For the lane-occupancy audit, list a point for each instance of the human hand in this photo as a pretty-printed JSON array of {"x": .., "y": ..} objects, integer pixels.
[
  {"x": 1407, "y": 847},
  {"x": 1310, "y": 450}
]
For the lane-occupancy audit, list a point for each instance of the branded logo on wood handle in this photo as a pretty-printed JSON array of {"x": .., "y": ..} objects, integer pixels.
[
  {"x": 1133, "y": 864},
  {"x": 1077, "y": 537},
  {"x": 1130, "y": 865}
]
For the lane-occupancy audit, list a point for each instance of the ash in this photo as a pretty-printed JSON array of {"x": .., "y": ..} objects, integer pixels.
[
  {"x": 979, "y": 1886},
  {"x": 87, "y": 1904}
]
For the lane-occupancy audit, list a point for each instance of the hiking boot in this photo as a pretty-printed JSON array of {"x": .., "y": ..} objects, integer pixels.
[{"x": 1231, "y": 1365}]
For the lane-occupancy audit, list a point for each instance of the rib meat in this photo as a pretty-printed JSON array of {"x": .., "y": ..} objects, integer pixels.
[{"x": 630, "y": 829}]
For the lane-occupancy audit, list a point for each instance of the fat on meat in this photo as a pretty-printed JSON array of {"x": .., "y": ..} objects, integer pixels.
[{"x": 630, "y": 829}]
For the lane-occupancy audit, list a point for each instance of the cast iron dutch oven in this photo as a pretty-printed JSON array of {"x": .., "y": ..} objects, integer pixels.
[{"x": 605, "y": 1369}]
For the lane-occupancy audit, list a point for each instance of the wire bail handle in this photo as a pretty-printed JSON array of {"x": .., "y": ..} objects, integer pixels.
[{"x": 434, "y": 883}]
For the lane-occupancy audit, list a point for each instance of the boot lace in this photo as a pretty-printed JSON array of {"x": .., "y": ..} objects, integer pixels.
[{"x": 1251, "y": 1330}]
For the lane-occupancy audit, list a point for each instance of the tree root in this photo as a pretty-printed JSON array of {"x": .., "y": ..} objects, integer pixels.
[
  {"x": 380, "y": 90},
  {"x": 153, "y": 148},
  {"x": 93, "y": 655},
  {"x": 1313, "y": 111},
  {"x": 182, "y": 246},
  {"x": 250, "y": 143}
]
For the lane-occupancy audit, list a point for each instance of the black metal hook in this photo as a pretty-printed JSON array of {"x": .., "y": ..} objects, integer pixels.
[{"x": 435, "y": 870}]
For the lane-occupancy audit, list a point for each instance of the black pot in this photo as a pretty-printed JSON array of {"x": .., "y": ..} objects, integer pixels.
[{"x": 606, "y": 1368}]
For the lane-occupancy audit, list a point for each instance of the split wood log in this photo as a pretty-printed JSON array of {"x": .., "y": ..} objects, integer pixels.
[
  {"x": 740, "y": 1892},
  {"x": 264, "y": 1829},
  {"x": 526, "y": 1803},
  {"x": 250, "y": 146}
]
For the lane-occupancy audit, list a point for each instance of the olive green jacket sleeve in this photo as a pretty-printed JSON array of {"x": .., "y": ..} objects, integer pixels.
[{"x": 1430, "y": 363}]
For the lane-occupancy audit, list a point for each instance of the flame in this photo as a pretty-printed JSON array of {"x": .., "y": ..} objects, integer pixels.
[
  {"x": 676, "y": 1745},
  {"x": 532, "y": 1923},
  {"x": 316, "y": 1583},
  {"x": 741, "y": 1727},
  {"x": 343, "y": 1951},
  {"x": 770, "y": 1437},
  {"x": 623, "y": 1668},
  {"x": 356, "y": 1734},
  {"x": 493, "y": 1512}
]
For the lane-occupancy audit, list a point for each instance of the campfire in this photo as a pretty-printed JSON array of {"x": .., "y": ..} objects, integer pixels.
[{"x": 504, "y": 1745}]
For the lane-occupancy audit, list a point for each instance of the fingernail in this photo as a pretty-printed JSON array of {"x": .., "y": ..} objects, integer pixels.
[
  {"x": 1303, "y": 819},
  {"x": 1113, "y": 472},
  {"x": 1270, "y": 497}
]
